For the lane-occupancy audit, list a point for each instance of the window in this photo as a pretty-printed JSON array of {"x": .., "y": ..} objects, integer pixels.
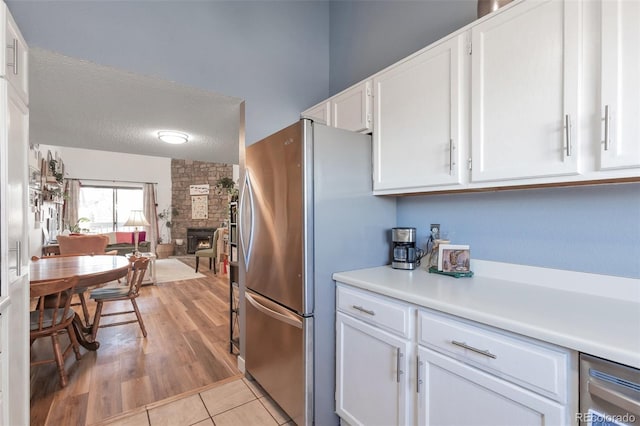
[{"x": 107, "y": 208}]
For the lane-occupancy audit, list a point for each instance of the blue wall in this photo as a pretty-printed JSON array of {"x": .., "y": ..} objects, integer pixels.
[
  {"x": 588, "y": 229},
  {"x": 272, "y": 54},
  {"x": 367, "y": 36}
]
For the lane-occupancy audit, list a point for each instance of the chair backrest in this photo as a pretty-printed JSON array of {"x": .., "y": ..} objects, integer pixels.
[
  {"x": 214, "y": 242},
  {"x": 137, "y": 268},
  {"x": 83, "y": 244},
  {"x": 59, "y": 295}
]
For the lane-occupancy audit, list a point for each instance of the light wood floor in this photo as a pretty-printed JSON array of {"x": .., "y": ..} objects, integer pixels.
[{"x": 186, "y": 348}]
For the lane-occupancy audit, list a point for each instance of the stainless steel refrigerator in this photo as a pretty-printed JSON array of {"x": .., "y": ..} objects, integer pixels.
[{"x": 307, "y": 210}]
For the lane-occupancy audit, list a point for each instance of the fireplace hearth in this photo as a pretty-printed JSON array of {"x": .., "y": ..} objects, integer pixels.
[{"x": 199, "y": 239}]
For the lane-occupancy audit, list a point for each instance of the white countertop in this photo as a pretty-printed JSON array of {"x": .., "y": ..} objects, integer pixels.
[{"x": 603, "y": 322}]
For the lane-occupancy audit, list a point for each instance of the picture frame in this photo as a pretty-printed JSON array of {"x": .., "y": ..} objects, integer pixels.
[{"x": 454, "y": 258}]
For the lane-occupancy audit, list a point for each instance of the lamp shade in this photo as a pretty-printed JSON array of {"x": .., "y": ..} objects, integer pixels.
[{"x": 136, "y": 218}]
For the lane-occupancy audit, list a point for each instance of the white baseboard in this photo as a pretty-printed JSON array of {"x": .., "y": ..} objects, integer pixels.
[{"x": 241, "y": 364}]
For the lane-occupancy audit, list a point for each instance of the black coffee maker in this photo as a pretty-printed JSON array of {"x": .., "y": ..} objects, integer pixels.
[{"x": 405, "y": 253}]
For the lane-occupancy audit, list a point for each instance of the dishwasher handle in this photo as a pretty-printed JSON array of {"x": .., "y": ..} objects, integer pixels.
[{"x": 616, "y": 398}]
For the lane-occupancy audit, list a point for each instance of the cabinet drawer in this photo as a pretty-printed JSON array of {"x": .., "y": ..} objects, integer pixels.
[
  {"x": 533, "y": 365},
  {"x": 389, "y": 314}
]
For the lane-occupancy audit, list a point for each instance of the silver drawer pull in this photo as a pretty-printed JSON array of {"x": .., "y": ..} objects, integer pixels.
[
  {"x": 476, "y": 350},
  {"x": 363, "y": 310}
]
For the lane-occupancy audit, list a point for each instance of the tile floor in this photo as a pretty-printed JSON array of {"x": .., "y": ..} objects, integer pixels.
[{"x": 235, "y": 402}]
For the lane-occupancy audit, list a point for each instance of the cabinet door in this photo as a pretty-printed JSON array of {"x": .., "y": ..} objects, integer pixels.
[
  {"x": 453, "y": 393},
  {"x": 371, "y": 374},
  {"x": 15, "y": 253},
  {"x": 620, "y": 84},
  {"x": 417, "y": 120},
  {"x": 351, "y": 109},
  {"x": 16, "y": 58},
  {"x": 320, "y": 113},
  {"x": 524, "y": 79}
]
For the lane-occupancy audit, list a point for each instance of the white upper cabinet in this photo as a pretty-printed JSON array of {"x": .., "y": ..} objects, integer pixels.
[
  {"x": 14, "y": 63},
  {"x": 534, "y": 94},
  {"x": 351, "y": 109},
  {"x": 320, "y": 112},
  {"x": 620, "y": 87},
  {"x": 524, "y": 91},
  {"x": 348, "y": 110},
  {"x": 417, "y": 138}
]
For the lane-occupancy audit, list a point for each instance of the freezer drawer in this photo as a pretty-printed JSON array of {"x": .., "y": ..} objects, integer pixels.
[{"x": 279, "y": 355}]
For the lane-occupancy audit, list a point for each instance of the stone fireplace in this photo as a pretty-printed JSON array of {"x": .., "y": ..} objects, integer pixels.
[{"x": 185, "y": 173}]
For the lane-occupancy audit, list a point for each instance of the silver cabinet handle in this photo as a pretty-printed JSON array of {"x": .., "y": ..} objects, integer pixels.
[
  {"x": 418, "y": 379},
  {"x": 363, "y": 310},
  {"x": 398, "y": 370},
  {"x": 607, "y": 123},
  {"x": 18, "y": 251},
  {"x": 14, "y": 65},
  {"x": 476, "y": 350},
  {"x": 567, "y": 129},
  {"x": 452, "y": 161}
]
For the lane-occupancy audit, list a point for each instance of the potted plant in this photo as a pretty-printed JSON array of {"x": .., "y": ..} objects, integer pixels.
[
  {"x": 77, "y": 228},
  {"x": 227, "y": 184},
  {"x": 55, "y": 173},
  {"x": 165, "y": 249}
]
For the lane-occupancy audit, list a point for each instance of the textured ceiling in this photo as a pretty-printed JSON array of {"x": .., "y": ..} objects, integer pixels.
[{"x": 80, "y": 104}]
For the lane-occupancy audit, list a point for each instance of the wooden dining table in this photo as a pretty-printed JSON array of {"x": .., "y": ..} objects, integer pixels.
[{"x": 90, "y": 270}]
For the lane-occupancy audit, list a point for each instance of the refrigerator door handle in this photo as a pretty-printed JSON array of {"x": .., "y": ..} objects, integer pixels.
[
  {"x": 274, "y": 311},
  {"x": 246, "y": 227}
]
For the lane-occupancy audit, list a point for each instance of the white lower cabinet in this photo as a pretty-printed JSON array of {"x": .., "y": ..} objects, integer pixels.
[
  {"x": 399, "y": 364},
  {"x": 372, "y": 368},
  {"x": 374, "y": 347},
  {"x": 454, "y": 393}
]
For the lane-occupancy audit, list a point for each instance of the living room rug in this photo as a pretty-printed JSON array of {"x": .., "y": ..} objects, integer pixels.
[{"x": 174, "y": 270}]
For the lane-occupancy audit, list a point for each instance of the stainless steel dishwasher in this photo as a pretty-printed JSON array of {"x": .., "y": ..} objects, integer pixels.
[{"x": 609, "y": 393}]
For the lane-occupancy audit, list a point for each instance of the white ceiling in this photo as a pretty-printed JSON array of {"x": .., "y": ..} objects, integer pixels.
[{"x": 79, "y": 104}]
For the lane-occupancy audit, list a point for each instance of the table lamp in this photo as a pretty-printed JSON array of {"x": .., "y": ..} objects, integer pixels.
[{"x": 136, "y": 218}]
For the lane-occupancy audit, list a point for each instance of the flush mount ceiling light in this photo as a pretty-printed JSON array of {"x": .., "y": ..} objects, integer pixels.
[{"x": 172, "y": 137}]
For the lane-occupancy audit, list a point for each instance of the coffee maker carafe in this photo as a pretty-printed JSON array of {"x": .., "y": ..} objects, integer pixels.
[{"x": 405, "y": 253}]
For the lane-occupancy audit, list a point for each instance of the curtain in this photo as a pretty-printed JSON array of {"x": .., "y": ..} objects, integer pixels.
[
  {"x": 70, "y": 209},
  {"x": 151, "y": 213}
]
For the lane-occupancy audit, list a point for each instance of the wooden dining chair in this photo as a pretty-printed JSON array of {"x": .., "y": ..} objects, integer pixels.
[
  {"x": 76, "y": 291},
  {"x": 78, "y": 245},
  {"x": 138, "y": 267},
  {"x": 53, "y": 315}
]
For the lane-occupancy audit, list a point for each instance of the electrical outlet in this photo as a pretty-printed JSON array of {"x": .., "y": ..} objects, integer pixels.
[{"x": 435, "y": 231}]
